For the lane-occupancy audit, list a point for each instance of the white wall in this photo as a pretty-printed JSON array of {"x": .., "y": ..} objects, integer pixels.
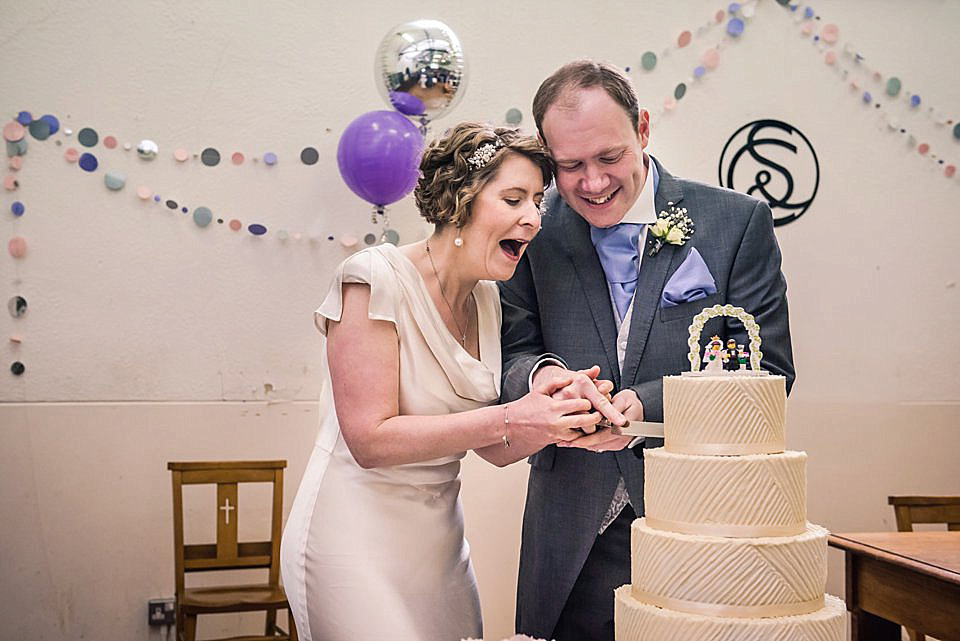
[{"x": 149, "y": 339}]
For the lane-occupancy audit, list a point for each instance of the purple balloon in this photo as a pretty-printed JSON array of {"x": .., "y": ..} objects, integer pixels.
[
  {"x": 407, "y": 103},
  {"x": 379, "y": 156}
]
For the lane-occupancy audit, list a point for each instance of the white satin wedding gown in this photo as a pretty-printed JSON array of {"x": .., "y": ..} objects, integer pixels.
[{"x": 380, "y": 553}]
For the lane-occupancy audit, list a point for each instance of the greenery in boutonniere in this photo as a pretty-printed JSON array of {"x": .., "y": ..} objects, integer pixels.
[{"x": 673, "y": 226}]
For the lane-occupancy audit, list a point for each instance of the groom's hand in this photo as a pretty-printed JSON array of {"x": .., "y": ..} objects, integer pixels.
[
  {"x": 603, "y": 440},
  {"x": 583, "y": 384}
]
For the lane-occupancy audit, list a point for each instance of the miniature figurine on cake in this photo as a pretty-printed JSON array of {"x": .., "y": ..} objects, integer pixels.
[
  {"x": 713, "y": 355},
  {"x": 731, "y": 356},
  {"x": 742, "y": 356}
]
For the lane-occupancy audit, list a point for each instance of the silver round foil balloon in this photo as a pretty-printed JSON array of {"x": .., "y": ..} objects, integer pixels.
[{"x": 420, "y": 69}]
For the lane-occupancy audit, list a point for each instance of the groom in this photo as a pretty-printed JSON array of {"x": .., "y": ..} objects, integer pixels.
[{"x": 588, "y": 292}]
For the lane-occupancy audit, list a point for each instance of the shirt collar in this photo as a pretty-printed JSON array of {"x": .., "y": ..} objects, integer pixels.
[{"x": 644, "y": 210}]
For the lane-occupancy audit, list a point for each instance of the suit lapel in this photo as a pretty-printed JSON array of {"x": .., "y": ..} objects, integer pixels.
[
  {"x": 653, "y": 276},
  {"x": 579, "y": 247}
]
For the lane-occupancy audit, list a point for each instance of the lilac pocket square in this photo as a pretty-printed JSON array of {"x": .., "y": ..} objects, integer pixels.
[{"x": 692, "y": 281}]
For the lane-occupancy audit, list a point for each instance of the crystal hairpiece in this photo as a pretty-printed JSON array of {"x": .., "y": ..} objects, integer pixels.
[{"x": 484, "y": 154}]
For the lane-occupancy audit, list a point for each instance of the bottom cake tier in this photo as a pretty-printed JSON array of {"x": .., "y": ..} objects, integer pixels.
[{"x": 637, "y": 621}]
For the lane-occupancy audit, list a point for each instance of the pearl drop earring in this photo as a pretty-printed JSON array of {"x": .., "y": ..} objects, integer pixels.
[{"x": 458, "y": 241}]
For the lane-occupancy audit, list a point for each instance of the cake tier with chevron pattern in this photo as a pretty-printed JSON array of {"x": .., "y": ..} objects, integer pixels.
[
  {"x": 730, "y": 413},
  {"x": 639, "y": 621},
  {"x": 752, "y": 495}
]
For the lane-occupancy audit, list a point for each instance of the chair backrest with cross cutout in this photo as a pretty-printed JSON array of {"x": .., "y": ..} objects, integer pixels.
[{"x": 228, "y": 553}]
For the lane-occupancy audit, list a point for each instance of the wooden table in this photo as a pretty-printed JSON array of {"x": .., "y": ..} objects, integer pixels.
[{"x": 902, "y": 578}]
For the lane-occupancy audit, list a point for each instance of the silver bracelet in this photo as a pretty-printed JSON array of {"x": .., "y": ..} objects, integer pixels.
[{"x": 506, "y": 423}]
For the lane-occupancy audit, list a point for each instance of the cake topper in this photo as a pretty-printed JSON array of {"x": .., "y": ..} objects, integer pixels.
[
  {"x": 714, "y": 354},
  {"x": 731, "y": 355}
]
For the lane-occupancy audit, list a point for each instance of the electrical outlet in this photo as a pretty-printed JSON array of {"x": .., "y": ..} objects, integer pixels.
[{"x": 161, "y": 612}]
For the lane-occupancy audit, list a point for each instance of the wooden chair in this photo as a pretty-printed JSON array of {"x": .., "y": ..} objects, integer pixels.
[
  {"x": 228, "y": 553},
  {"x": 925, "y": 509}
]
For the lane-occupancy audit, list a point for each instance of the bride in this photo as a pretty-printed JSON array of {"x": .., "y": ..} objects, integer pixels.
[{"x": 374, "y": 546}]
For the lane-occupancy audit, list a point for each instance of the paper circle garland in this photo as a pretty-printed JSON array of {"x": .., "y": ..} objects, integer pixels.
[
  {"x": 114, "y": 181},
  {"x": 53, "y": 125},
  {"x": 648, "y": 61},
  {"x": 88, "y": 162},
  {"x": 210, "y": 157},
  {"x": 13, "y": 132},
  {"x": 829, "y": 33},
  {"x": 87, "y": 137},
  {"x": 202, "y": 216},
  {"x": 735, "y": 27},
  {"x": 309, "y": 156},
  {"x": 17, "y": 246},
  {"x": 39, "y": 129},
  {"x": 42, "y": 128},
  {"x": 711, "y": 58}
]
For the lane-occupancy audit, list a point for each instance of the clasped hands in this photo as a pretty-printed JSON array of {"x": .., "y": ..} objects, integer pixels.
[{"x": 594, "y": 432}]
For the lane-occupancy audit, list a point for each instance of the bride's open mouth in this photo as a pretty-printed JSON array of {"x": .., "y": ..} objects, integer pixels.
[{"x": 512, "y": 247}]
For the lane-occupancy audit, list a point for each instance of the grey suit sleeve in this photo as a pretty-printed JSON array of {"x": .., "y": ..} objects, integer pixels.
[
  {"x": 521, "y": 337},
  {"x": 757, "y": 285},
  {"x": 650, "y": 394}
]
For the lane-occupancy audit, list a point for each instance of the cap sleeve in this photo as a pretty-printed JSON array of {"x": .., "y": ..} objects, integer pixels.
[{"x": 369, "y": 267}]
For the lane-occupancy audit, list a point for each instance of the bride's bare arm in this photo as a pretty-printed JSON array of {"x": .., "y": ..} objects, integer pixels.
[{"x": 364, "y": 369}]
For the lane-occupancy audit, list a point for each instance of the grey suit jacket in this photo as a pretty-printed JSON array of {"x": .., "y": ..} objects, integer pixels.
[{"x": 558, "y": 303}]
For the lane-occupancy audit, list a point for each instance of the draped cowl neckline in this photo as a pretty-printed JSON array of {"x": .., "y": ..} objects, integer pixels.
[{"x": 471, "y": 378}]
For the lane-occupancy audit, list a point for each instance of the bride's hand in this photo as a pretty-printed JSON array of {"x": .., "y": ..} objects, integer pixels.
[{"x": 540, "y": 419}]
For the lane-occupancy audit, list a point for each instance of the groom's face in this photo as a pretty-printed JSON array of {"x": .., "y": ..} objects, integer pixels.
[{"x": 599, "y": 155}]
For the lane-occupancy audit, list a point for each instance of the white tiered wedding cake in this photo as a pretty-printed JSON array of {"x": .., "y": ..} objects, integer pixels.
[{"x": 724, "y": 552}]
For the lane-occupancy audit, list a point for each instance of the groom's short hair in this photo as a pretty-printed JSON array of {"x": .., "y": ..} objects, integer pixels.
[{"x": 585, "y": 74}]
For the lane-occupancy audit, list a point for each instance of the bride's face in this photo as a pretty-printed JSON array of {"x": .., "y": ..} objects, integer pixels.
[{"x": 505, "y": 216}]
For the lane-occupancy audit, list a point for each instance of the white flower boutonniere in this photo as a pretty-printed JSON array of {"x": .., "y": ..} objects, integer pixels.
[{"x": 673, "y": 226}]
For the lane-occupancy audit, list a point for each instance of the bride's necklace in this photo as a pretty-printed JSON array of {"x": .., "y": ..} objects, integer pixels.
[{"x": 463, "y": 332}]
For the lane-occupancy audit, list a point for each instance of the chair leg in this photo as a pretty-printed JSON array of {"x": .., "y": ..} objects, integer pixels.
[
  {"x": 292, "y": 625},
  {"x": 915, "y": 636},
  {"x": 270, "y": 628},
  {"x": 190, "y": 627}
]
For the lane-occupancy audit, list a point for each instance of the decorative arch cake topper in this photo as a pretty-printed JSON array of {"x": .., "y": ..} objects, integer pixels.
[{"x": 696, "y": 329}]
